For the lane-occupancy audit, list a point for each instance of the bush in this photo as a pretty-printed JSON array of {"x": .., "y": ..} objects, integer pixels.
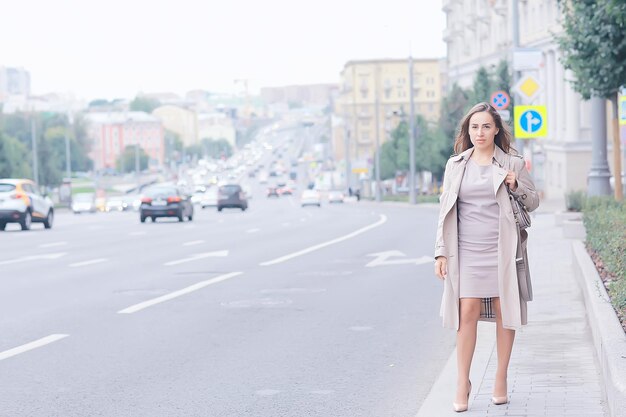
[
  {"x": 575, "y": 200},
  {"x": 605, "y": 222}
]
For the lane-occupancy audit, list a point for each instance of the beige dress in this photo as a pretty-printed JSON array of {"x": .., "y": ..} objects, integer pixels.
[{"x": 478, "y": 217}]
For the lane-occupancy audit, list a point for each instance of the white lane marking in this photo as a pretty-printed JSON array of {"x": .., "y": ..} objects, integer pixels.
[
  {"x": 382, "y": 220},
  {"x": 382, "y": 258},
  {"x": 89, "y": 262},
  {"x": 197, "y": 256},
  {"x": 137, "y": 307},
  {"x": 193, "y": 242},
  {"x": 137, "y": 233},
  {"x": 34, "y": 258},
  {"x": 253, "y": 230},
  {"x": 52, "y": 245},
  {"x": 32, "y": 345}
]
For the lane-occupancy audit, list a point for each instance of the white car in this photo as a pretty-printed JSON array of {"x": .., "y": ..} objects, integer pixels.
[
  {"x": 84, "y": 203},
  {"x": 22, "y": 202},
  {"x": 335, "y": 197},
  {"x": 310, "y": 198},
  {"x": 209, "y": 198}
]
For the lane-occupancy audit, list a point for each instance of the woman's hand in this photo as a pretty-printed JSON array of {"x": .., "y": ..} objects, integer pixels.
[
  {"x": 441, "y": 267},
  {"x": 511, "y": 180}
]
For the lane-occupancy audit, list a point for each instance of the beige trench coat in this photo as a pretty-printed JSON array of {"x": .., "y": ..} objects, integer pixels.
[{"x": 513, "y": 307}]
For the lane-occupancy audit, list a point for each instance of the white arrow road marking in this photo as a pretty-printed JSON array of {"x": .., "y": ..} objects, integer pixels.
[
  {"x": 382, "y": 258},
  {"x": 137, "y": 307},
  {"x": 382, "y": 220},
  {"x": 32, "y": 345},
  {"x": 34, "y": 258},
  {"x": 53, "y": 244},
  {"x": 197, "y": 256},
  {"x": 89, "y": 262},
  {"x": 193, "y": 242}
]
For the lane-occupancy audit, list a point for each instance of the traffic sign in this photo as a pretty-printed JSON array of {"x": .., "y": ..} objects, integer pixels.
[
  {"x": 530, "y": 122},
  {"x": 528, "y": 87},
  {"x": 622, "y": 110},
  {"x": 500, "y": 100}
]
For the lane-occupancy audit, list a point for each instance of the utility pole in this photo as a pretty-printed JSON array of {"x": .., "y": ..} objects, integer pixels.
[
  {"x": 516, "y": 74},
  {"x": 377, "y": 154},
  {"x": 412, "y": 199},
  {"x": 68, "y": 160},
  {"x": 346, "y": 145},
  {"x": 33, "y": 140}
]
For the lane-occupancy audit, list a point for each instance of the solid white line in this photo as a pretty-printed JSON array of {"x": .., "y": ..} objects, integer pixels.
[
  {"x": 193, "y": 242},
  {"x": 137, "y": 307},
  {"x": 382, "y": 220},
  {"x": 89, "y": 262},
  {"x": 51, "y": 245},
  {"x": 32, "y": 345}
]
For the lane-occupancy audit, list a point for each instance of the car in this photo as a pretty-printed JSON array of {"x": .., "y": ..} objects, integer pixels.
[
  {"x": 272, "y": 192},
  {"x": 310, "y": 198},
  {"x": 335, "y": 197},
  {"x": 165, "y": 201},
  {"x": 285, "y": 190},
  {"x": 231, "y": 196},
  {"x": 209, "y": 198},
  {"x": 22, "y": 202},
  {"x": 114, "y": 204},
  {"x": 84, "y": 203}
]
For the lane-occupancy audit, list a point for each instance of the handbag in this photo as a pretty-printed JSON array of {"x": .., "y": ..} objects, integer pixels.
[
  {"x": 521, "y": 266},
  {"x": 522, "y": 217}
]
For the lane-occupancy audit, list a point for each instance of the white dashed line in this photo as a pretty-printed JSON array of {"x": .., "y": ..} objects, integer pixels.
[
  {"x": 382, "y": 220},
  {"x": 253, "y": 230},
  {"x": 52, "y": 245},
  {"x": 197, "y": 256},
  {"x": 193, "y": 242},
  {"x": 137, "y": 307},
  {"x": 32, "y": 345},
  {"x": 33, "y": 258},
  {"x": 89, "y": 262}
]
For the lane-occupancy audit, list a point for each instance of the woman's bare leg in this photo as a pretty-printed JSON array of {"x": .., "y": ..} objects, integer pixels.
[
  {"x": 469, "y": 313},
  {"x": 505, "y": 338}
]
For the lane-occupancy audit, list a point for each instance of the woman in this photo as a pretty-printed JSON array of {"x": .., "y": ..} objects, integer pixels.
[{"x": 477, "y": 242}]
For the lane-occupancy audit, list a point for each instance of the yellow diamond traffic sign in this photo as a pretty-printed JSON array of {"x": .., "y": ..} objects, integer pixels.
[{"x": 528, "y": 87}]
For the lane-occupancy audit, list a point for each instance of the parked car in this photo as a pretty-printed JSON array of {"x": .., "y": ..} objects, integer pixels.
[
  {"x": 22, "y": 202},
  {"x": 310, "y": 198},
  {"x": 165, "y": 201},
  {"x": 84, "y": 203},
  {"x": 231, "y": 196},
  {"x": 335, "y": 197}
]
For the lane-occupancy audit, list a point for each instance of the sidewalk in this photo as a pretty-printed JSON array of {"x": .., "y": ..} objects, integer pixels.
[{"x": 553, "y": 370}]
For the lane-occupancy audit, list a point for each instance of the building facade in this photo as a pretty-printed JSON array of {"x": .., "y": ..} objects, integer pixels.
[
  {"x": 14, "y": 82},
  {"x": 215, "y": 126},
  {"x": 374, "y": 96},
  {"x": 110, "y": 133},
  {"x": 480, "y": 33},
  {"x": 181, "y": 121}
]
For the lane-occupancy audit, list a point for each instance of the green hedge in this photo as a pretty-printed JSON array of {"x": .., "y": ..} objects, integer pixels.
[{"x": 605, "y": 223}]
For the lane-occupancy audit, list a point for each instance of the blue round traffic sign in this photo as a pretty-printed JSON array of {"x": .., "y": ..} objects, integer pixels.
[
  {"x": 531, "y": 121},
  {"x": 500, "y": 100}
]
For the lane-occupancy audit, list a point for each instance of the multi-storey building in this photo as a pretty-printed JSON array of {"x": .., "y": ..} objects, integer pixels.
[
  {"x": 215, "y": 126},
  {"x": 180, "y": 120},
  {"x": 110, "y": 133},
  {"x": 480, "y": 33},
  {"x": 374, "y": 96},
  {"x": 14, "y": 82}
]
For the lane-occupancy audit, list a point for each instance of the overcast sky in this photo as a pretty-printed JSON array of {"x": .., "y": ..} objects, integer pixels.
[{"x": 116, "y": 48}]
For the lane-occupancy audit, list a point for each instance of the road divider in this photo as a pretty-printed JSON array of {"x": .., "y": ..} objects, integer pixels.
[
  {"x": 32, "y": 345},
  {"x": 195, "y": 287},
  {"x": 362, "y": 230}
]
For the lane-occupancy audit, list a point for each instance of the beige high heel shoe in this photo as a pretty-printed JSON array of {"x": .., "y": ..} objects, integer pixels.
[
  {"x": 500, "y": 400},
  {"x": 459, "y": 408}
]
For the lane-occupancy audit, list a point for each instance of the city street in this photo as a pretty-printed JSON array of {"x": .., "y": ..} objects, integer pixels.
[{"x": 278, "y": 310}]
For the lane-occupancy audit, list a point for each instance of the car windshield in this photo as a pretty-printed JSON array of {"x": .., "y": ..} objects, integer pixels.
[
  {"x": 5, "y": 188},
  {"x": 83, "y": 197},
  {"x": 160, "y": 192},
  {"x": 229, "y": 189}
]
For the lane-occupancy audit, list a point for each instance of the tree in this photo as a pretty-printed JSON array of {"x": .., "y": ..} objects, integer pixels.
[
  {"x": 217, "y": 148},
  {"x": 453, "y": 108},
  {"x": 482, "y": 86},
  {"x": 145, "y": 104},
  {"x": 126, "y": 161},
  {"x": 594, "y": 49},
  {"x": 15, "y": 159}
]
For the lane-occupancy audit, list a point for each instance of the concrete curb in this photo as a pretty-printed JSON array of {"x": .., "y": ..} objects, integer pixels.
[{"x": 608, "y": 336}]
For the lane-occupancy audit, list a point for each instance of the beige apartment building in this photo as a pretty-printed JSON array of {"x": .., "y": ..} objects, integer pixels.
[
  {"x": 374, "y": 96},
  {"x": 179, "y": 120}
]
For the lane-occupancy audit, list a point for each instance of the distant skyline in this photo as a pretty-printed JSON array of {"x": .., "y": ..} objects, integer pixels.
[{"x": 120, "y": 48}]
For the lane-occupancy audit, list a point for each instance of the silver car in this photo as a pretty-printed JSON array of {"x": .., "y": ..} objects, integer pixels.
[{"x": 22, "y": 202}]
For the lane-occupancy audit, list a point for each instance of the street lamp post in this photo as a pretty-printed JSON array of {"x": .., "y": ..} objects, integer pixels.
[
  {"x": 377, "y": 120},
  {"x": 68, "y": 160},
  {"x": 412, "y": 199},
  {"x": 33, "y": 140}
]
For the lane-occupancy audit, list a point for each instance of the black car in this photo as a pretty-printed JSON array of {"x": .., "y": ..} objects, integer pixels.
[
  {"x": 165, "y": 201},
  {"x": 231, "y": 196}
]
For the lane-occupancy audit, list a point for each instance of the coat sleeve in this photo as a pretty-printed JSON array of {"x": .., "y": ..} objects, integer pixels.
[
  {"x": 525, "y": 186},
  {"x": 440, "y": 247}
]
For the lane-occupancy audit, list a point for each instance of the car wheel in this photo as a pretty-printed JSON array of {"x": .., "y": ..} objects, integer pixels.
[
  {"x": 180, "y": 216},
  {"x": 3, "y": 226},
  {"x": 190, "y": 217},
  {"x": 47, "y": 223},
  {"x": 142, "y": 219},
  {"x": 26, "y": 221},
  {"x": 219, "y": 209}
]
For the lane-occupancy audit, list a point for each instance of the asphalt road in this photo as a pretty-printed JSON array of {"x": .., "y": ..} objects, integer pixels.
[{"x": 276, "y": 311}]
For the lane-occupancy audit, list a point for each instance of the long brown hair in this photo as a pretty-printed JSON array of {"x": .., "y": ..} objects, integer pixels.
[{"x": 502, "y": 139}]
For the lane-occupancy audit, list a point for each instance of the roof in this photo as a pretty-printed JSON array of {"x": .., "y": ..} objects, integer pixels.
[{"x": 120, "y": 117}]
